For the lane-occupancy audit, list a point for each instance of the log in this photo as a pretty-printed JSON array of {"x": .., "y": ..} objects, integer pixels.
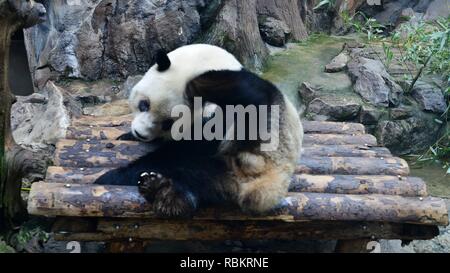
[
  {"x": 53, "y": 199},
  {"x": 336, "y": 139},
  {"x": 103, "y": 128},
  {"x": 328, "y": 127},
  {"x": 15, "y": 15},
  {"x": 117, "y": 153},
  {"x": 98, "y": 153},
  {"x": 85, "y": 173},
  {"x": 207, "y": 230},
  {"x": 50, "y": 199},
  {"x": 96, "y": 133},
  {"x": 341, "y": 184},
  {"x": 112, "y": 133},
  {"x": 359, "y": 184},
  {"x": 345, "y": 151},
  {"x": 74, "y": 175},
  {"x": 116, "y": 121},
  {"x": 324, "y": 127},
  {"x": 353, "y": 166},
  {"x": 312, "y": 165}
]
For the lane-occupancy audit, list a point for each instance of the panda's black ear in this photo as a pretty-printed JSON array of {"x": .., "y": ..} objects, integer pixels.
[{"x": 162, "y": 60}]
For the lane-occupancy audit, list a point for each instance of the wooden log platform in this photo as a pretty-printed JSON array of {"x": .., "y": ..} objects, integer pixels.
[
  {"x": 53, "y": 199},
  {"x": 345, "y": 187}
]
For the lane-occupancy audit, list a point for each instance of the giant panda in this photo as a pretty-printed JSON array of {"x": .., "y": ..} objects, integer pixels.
[{"x": 180, "y": 176}]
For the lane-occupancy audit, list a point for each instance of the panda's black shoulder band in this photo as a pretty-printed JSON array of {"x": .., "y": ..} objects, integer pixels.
[{"x": 162, "y": 60}]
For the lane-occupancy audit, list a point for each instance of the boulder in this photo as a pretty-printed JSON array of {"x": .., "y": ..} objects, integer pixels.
[
  {"x": 338, "y": 64},
  {"x": 307, "y": 92},
  {"x": 409, "y": 15},
  {"x": 35, "y": 98},
  {"x": 437, "y": 9},
  {"x": 373, "y": 82},
  {"x": 429, "y": 97},
  {"x": 274, "y": 32},
  {"x": 369, "y": 115},
  {"x": 411, "y": 135},
  {"x": 41, "y": 77},
  {"x": 390, "y": 13},
  {"x": 400, "y": 113},
  {"x": 43, "y": 118},
  {"x": 333, "y": 109}
]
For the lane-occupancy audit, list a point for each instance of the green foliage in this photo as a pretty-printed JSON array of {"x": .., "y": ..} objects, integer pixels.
[
  {"x": 425, "y": 44},
  {"x": 372, "y": 30},
  {"x": 438, "y": 152},
  {"x": 367, "y": 26},
  {"x": 389, "y": 55},
  {"x": 425, "y": 39},
  {"x": 26, "y": 234},
  {"x": 4, "y": 248}
]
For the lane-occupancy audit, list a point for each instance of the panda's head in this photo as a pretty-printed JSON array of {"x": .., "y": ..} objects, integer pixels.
[{"x": 164, "y": 85}]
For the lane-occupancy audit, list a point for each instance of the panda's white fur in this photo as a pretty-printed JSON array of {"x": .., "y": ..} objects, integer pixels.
[
  {"x": 254, "y": 179},
  {"x": 165, "y": 90}
]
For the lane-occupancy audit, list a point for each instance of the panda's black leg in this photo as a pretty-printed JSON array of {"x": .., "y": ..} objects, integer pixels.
[
  {"x": 130, "y": 175},
  {"x": 114, "y": 177},
  {"x": 170, "y": 199}
]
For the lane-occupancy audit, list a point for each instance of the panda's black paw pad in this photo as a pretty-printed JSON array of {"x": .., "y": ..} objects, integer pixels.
[{"x": 151, "y": 182}]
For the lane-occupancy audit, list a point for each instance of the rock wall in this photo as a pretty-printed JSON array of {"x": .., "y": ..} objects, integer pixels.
[{"x": 95, "y": 39}]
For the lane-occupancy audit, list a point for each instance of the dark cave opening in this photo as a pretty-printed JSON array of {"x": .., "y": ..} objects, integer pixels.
[{"x": 19, "y": 75}]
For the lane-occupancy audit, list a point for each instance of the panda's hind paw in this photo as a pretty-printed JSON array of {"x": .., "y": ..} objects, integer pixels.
[{"x": 151, "y": 182}]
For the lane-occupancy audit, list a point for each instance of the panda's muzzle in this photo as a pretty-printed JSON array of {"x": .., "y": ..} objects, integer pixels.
[{"x": 139, "y": 136}]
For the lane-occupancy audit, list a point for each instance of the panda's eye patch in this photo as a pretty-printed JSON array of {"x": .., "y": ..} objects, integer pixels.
[
  {"x": 144, "y": 105},
  {"x": 167, "y": 124}
]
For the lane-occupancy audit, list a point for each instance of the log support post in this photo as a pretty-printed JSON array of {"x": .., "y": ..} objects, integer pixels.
[
  {"x": 14, "y": 161},
  {"x": 129, "y": 246},
  {"x": 353, "y": 246}
]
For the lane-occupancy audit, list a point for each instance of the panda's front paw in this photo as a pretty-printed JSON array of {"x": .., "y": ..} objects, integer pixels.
[
  {"x": 150, "y": 183},
  {"x": 169, "y": 199}
]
